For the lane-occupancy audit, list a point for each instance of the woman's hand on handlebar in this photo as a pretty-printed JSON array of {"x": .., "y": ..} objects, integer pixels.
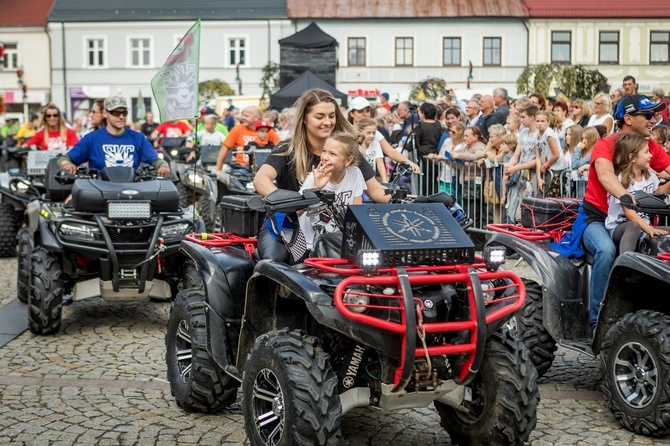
[{"x": 415, "y": 167}]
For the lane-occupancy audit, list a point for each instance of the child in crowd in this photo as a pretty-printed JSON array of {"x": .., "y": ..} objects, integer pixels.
[
  {"x": 336, "y": 172},
  {"x": 581, "y": 156},
  {"x": 371, "y": 149},
  {"x": 631, "y": 164},
  {"x": 661, "y": 135},
  {"x": 262, "y": 129},
  {"x": 208, "y": 136},
  {"x": 549, "y": 147},
  {"x": 523, "y": 167},
  {"x": 512, "y": 124},
  {"x": 507, "y": 149}
]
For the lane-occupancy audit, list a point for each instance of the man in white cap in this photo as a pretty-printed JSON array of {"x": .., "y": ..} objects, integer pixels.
[{"x": 113, "y": 145}]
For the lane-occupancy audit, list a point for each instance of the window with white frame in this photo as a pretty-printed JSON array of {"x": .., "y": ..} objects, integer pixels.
[
  {"x": 356, "y": 56},
  {"x": 140, "y": 52},
  {"x": 237, "y": 51},
  {"x": 492, "y": 46},
  {"x": 11, "y": 56},
  {"x": 404, "y": 51},
  {"x": 659, "y": 48},
  {"x": 95, "y": 53}
]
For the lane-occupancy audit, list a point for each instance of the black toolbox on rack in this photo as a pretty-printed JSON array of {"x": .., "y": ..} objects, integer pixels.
[
  {"x": 548, "y": 213},
  {"x": 238, "y": 218}
]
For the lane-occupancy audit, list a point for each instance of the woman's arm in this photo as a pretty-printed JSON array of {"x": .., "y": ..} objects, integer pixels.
[
  {"x": 375, "y": 191},
  {"x": 576, "y": 156},
  {"x": 555, "y": 154},
  {"x": 609, "y": 122},
  {"x": 263, "y": 181}
]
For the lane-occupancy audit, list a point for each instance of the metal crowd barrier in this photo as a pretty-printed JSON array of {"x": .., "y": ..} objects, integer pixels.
[{"x": 468, "y": 184}]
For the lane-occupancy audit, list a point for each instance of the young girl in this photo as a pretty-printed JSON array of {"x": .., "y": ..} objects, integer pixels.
[
  {"x": 507, "y": 148},
  {"x": 550, "y": 162},
  {"x": 661, "y": 136},
  {"x": 631, "y": 164},
  {"x": 371, "y": 149},
  {"x": 581, "y": 156},
  {"x": 336, "y": 172}
]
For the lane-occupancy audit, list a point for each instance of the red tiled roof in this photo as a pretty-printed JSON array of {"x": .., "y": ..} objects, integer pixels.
[
  {"x": 598, "y": 8},
  {"x": 371, "y": 9},
  {"x": 24, "y": 12}
]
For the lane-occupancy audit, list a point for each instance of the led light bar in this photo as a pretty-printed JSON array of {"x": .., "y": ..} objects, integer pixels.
[{"x": 129, "y": 210}]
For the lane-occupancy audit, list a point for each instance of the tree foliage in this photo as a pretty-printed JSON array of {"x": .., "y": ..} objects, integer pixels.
[
  {"x": 432, "y": 88},
  {"x": 574, "y": 81},
  {"x": 270, "y": 79},
  {"x": 214, "y": 88}
]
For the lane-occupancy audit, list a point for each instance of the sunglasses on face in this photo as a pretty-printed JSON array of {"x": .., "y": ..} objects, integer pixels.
[
  {"x": 52, "y": 116},
  {"x": 647, "y": 115},
  {"x": 118, "y": 113}
]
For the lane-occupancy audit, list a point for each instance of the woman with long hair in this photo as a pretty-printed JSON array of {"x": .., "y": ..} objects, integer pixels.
[
  {"x": 53, "y": 134},
  {"x": 317, "y": 116},
  {"x": 447, "y": 176}
]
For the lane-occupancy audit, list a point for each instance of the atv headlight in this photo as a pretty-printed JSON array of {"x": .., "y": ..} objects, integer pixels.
[
  {"x": 195, "y": 179},
  {"x": 174, "y": 152},
  {"x": 129, "y": 210},
  {"x": 79, "y": 231},
  {"x": 356, "y": 299},
  {"x": 369, "y": 260},
  {"x": 176, "y": 230},
  {"x": 494, "y": 256}
]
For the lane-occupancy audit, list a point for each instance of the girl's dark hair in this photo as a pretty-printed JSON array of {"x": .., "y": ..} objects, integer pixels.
[
  {"x": 428, "y": 110},
  {"x": 626, "y": 149}
]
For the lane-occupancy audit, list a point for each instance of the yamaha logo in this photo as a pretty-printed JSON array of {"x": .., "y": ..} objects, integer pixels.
[
  {"x": 411, "y": 226},
  {"x": 129, "y": 192}
]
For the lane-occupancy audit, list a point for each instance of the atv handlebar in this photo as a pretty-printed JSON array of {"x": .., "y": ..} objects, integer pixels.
[{"x": 656, "y": 204}]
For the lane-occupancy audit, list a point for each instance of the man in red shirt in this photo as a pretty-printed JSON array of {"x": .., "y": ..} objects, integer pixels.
[
  {"x": 172, "y": 129},
  {"x": 242, "y": 134},
  {"x": 635, "y": 115}
]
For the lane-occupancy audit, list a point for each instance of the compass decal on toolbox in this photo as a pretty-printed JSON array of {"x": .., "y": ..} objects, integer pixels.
[{"x": 410, "y": 225}]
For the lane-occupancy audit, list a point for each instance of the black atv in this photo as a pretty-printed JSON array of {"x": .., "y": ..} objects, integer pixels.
[
  {"x": 632, "y": 336},
  {"x": 196, "y": 185},
  {"x": 25, "y": 185},
  {"x": 394, "y": 313},
  {"x": 118, "y": 238}
]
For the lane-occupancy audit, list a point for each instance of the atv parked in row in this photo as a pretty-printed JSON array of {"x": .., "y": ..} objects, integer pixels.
[
  {"x": 632, "y": 335},
  {"x": 196, "y": 185},
  {"x": 118, "y": 238},
  {"x": 412, "y": 319},
  {"x": 25, "y": 184}
]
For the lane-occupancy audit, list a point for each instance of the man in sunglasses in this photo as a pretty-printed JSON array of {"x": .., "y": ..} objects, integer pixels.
[
  {"x": 113, "y": 145},
  {"x": 635, "y": 115}
]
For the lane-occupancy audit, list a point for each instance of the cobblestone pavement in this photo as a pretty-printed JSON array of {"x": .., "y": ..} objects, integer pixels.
[{"x": 101, "y": 381}]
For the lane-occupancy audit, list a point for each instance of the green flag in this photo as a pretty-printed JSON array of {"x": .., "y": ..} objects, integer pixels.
[
  {"x": 140, "y": 108},
  {"x": 175, "y": 86}
]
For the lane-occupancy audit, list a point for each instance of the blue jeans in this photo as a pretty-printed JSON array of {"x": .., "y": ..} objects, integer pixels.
[{"x": 597, "y": 241}]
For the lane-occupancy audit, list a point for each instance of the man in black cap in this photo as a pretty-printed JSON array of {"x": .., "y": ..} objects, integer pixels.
[
  {"x": 635, "y": 115},
  {"x": 113, "y": 145}
]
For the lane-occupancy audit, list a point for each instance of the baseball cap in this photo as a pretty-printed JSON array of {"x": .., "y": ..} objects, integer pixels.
[
  {"x": 636, "y": 103},
  {"x": 207, "y": 111},
  {"x": 359, "y": 103},
  {"x": 385, "y": 96},
  {"x": 114, "y": 102},
  {"x": 262, "y": 124}
]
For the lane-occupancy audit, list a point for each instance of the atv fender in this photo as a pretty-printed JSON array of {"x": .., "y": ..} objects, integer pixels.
[
  {"x": 565, "y": 304},
  {"x": 637, "y": 281},
  {"x": 224, "y": 275},
  {"x": 279, "y": 296},
  {"x": 47, "y": 238}
]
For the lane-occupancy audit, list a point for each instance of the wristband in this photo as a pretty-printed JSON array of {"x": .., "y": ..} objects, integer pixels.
[{"x": 546, "y": 165}]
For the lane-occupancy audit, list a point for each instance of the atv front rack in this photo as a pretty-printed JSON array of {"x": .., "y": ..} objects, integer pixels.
[
  {"x": 409, "y": 324},
  {"x": 214, "y": 240},
  {"x": 531, "y": 235}
]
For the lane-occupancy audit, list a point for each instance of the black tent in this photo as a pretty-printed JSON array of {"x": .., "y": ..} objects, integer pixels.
[
  {"x": 308, "y": 48},
  {"x": 290, "y": 93},
  {"x": 310, "y": 37}
]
